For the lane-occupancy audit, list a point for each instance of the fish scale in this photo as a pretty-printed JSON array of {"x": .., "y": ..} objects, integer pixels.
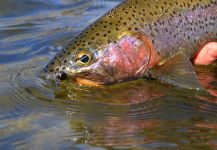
[{"x": 171, "y": 26}]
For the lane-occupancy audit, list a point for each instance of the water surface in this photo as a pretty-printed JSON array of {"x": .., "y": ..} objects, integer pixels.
[{"x": 142, "y": 114}]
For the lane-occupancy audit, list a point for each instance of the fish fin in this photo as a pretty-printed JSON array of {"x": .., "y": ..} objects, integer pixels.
[{"x": 177, "y": 71}]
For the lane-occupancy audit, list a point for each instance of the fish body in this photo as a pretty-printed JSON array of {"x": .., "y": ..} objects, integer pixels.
[{"x": 140, "y": 37}]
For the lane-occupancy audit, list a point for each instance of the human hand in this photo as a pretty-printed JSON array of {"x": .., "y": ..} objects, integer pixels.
[{"x": 206, "y": 55}]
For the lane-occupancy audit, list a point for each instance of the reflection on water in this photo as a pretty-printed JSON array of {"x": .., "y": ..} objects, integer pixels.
[{"x": 138, "y": 114}]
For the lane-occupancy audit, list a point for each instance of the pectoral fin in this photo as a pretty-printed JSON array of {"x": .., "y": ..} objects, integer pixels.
[{"x": 177, "y": 71}]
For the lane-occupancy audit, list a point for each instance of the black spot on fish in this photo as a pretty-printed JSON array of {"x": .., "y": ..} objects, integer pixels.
[{"x": 151, "y": 14}]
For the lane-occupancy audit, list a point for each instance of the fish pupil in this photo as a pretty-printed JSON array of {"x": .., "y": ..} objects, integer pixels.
[{"x": 84, "y": 59}]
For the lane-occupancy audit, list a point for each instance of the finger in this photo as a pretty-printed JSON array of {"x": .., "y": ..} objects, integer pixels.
[{"x": 207, "y": 55}]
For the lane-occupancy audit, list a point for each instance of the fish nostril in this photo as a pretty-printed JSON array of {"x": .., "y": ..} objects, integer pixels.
[{"x": 61, "y": 75}]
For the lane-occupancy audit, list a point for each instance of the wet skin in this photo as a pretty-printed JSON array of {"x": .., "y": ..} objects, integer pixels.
[{"x": 142, "y": 41}]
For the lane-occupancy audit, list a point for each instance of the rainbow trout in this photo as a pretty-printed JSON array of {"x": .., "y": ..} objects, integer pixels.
[{"x": 138, "y": 38}]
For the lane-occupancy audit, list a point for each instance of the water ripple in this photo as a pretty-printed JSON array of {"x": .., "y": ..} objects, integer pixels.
[{"x": 21, "y": 90}]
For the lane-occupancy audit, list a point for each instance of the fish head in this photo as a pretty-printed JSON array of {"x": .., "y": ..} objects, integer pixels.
[{"x": 123, "y": 56}]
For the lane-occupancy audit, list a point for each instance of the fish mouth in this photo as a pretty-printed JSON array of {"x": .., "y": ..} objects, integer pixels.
[
  {"x": 87, "y": 82},
  {"x": 90, "y": 79}
]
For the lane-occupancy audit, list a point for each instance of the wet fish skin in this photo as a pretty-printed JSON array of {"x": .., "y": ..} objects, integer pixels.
[{"x": 168, "y": 27}]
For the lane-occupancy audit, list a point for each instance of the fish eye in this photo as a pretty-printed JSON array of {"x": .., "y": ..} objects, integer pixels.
[{"x": 84, "y": 58}]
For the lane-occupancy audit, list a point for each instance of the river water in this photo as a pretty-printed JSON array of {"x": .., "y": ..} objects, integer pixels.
[{"x": 142, "y": 114}]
